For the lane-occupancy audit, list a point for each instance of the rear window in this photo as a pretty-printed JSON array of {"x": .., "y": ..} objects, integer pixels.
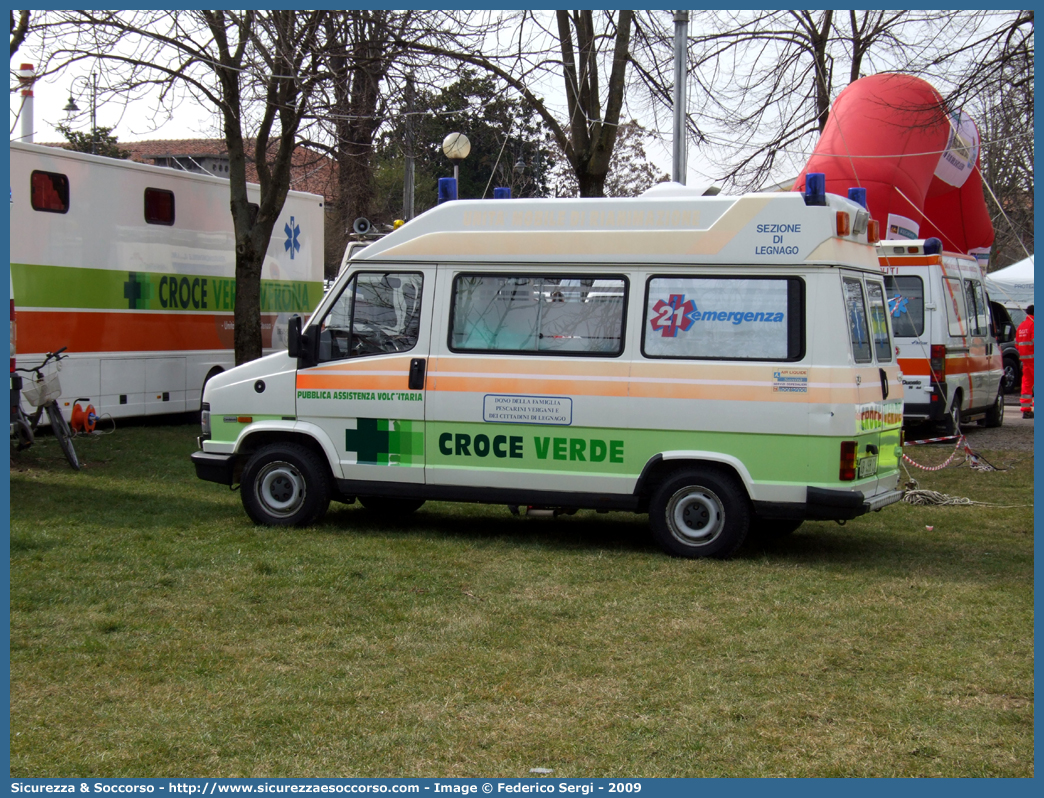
[
  {"x": 49, "y": 191},
  {"x": 906, "y": 305},
  {"x": 879, "y": 321},
  {"x": 858, "y": 329}
]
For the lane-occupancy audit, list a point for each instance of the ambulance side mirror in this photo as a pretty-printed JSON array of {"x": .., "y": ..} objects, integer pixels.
[
  {"x": 293, "y": 336},
  {"x": 302, "y": 345}
]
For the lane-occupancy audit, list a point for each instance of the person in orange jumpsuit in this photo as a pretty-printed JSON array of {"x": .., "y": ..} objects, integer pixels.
[{"x": 1024, "y": 343}]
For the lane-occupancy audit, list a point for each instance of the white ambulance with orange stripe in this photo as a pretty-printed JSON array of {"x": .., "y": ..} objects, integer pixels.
[
  {"x": 132, "y": 268},
  {"x": 723, "y": 364},
  {"x": 951, "y": 363}
]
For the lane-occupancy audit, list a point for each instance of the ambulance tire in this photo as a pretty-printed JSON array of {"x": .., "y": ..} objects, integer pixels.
[
  {"x": 383, "y": 505},
  {"x": 699, "y": 512},
  {"x": 1012, "y": 379},
  {"x": 995, "y": 415},
  {"x": 285, "y": 484},
  {"x": 952, "y": 421}
]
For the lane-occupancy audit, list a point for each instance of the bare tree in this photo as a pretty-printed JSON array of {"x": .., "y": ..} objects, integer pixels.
[
  {"x": 630, "y": 172},
  {"x": 999, "y": 89},
  {"x": 19, "y": 30},
  {"x": 360, "y": 54},
  {"x": 258, "y": 69},
  {"x": 765, "y": 80},
  {"x": 589, "y": 51}
]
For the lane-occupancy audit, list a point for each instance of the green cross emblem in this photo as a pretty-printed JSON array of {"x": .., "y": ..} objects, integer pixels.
[
  {"x": 136, "y": 291},
  {"x": 368, "y": 440},
  {"x": 382, "y": 441}
]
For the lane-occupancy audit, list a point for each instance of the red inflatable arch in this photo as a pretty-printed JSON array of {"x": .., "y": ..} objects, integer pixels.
[{"x": 892, "y": 135}]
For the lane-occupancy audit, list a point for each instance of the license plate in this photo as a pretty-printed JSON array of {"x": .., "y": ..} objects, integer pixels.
[{"x": 868, "y": 466}]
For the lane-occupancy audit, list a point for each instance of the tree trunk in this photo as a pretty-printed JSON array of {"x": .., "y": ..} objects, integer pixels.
[{"x": 359, "y": 67}]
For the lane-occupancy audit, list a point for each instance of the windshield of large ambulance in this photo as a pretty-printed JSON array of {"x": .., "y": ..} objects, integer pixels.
[{"x": 906, "y": 305}]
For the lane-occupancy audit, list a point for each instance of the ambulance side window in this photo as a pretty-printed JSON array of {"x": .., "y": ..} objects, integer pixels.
[
  {"x": 879, "y": 321},
  {"x": 538, "y": 314},
  {"x": 724, "y": 318},
  {"x": 49, "y": 191},
  {"x": 376, "y": 314},
  {"x": 978, "y": 320},
  {"x": 956, "y": 313},
  {"x": 159, "y": 206},
  {"x": 906, "y": 305},
  {"x": 858, "y": 328}
]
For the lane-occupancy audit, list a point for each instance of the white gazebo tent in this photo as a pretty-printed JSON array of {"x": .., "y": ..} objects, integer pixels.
[{"x": 1012, "y": 285}]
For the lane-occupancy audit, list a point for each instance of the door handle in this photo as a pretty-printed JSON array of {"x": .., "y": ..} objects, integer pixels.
[
  {"x": 884, "y": 384},
  {"x": 417, "y": 374}
]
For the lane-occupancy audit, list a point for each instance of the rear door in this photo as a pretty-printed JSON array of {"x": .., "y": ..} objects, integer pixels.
[
  {"x": 984, "y": 357},
  {"x": 878, "y": 389},
  {"x": 367, "y": 390},
  {"x": 909, "y": 295}
]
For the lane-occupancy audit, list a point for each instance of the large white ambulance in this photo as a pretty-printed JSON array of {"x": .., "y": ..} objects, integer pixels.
[
  {"x": 951, "y": 363},
  {"x": 720, "y": 363},
  {"x": 132, "y": 268}
]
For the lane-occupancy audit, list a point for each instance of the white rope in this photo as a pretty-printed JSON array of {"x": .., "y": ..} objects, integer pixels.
[{"x": 934, "y": 497}]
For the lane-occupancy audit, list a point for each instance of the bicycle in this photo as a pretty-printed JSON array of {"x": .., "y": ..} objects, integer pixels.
[{"x": 42, "y": 393}]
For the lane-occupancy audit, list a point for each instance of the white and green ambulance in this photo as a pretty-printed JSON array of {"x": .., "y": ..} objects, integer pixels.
[{"x": 720, "y": 363}]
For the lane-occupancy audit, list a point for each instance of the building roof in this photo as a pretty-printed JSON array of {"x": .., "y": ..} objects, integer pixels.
[{"x": 310, "y": 170}]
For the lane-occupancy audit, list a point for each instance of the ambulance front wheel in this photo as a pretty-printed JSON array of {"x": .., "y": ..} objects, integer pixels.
[
  {"x": 285, "y": 484},
  {"x": 700, "y": 513}
]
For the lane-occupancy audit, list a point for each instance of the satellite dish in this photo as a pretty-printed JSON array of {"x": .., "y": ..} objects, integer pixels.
[{"x": 362, "y": 226}]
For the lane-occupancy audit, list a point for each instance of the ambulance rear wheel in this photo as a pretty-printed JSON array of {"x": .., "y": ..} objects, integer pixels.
[
  {"x": 700, "y": 513},
  {"x": 1012, "y": 375},
  {"x": 952, "y": 421},
  {"x": 285, "y": 484},
  {"x": 995, "y": 415}
]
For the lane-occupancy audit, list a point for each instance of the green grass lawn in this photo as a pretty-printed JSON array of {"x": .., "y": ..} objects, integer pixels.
[{"x": 155, "y": 631}]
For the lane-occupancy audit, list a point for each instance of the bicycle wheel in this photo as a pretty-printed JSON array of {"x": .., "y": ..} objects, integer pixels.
[
  {"x": 62, "y": 434},
  {"x": 23, "y": 431}
]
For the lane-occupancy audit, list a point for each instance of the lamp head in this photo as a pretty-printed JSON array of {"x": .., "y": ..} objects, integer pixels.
[{"x": 456, "y": 146}]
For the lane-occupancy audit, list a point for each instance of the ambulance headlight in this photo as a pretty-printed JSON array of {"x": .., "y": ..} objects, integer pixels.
[{"x": 204, "y": 418}]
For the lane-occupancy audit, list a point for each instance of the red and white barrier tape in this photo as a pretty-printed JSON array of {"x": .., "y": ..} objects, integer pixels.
[
  {"x": 934, "y": 440},
  {"x": 957, "y": 448}
]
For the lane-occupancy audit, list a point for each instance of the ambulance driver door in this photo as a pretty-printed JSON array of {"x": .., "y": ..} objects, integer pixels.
[{"x": 367, "y": 389}]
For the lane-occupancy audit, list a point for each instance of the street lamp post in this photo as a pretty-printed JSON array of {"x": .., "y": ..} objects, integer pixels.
[
  {"x": 456, "y": 147},
  {"x": 72, "y": 108}
]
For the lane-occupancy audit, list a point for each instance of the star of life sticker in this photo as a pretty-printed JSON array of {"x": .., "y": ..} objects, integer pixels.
[
  {"x": 673, "y": 315},
  {"x": 292, "y": 244}
]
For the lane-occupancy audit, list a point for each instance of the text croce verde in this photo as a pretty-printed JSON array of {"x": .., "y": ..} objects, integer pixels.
[{"x": 594, "y": 450}]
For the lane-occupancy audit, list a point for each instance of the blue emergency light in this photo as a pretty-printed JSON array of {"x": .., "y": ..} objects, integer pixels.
[
  {"x": 815, "y": 188},
  {"x": 447, "y": 189}
]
